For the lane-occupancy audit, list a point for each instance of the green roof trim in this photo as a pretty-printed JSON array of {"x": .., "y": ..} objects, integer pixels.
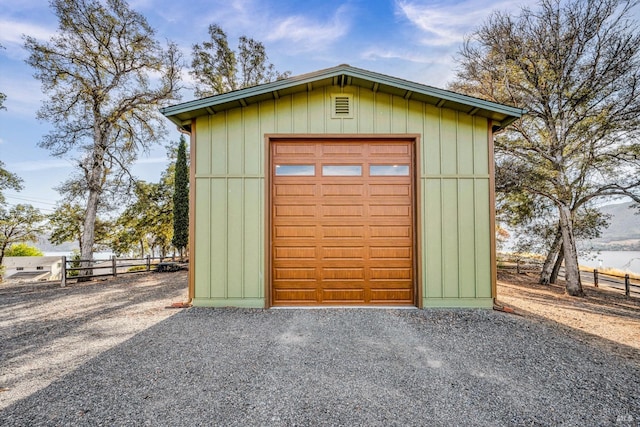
[{"x": 342, "y": 75}]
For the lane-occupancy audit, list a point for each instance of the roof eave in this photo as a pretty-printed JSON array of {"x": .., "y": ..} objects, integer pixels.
[{"x": 181, "y": 114}]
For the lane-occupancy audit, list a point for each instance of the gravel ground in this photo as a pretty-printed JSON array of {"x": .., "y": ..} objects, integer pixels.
[{"x": 300, "y": 367}]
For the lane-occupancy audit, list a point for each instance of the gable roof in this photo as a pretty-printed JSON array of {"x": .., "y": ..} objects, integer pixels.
[{"x": 342, "y": 75}]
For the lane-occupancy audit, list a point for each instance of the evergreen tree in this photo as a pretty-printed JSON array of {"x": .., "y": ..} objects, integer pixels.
[{"x": 181, "y": 199}]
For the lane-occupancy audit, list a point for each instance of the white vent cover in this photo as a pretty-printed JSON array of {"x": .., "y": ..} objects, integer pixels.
[{"x": 342, "y": 106}]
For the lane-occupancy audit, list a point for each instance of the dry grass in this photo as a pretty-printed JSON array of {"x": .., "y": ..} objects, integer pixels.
[{"x": 604, "y": 318}]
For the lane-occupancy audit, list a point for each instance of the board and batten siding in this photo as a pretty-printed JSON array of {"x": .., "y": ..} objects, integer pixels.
[{"x": 454, "y": 181}]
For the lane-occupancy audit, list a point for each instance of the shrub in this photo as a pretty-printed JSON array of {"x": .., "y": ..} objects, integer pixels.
[{"x": 22, "y": 249}]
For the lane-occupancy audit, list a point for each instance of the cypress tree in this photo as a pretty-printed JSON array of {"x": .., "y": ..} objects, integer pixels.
[{"x": 181, "y": 199}]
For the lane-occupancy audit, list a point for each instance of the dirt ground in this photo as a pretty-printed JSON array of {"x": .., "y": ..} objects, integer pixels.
[{"x": 604, "y": 317}]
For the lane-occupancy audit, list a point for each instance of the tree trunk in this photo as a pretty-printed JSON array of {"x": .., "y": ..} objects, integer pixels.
[
  {"x": 572, "y": 271},
  {"x": 88, "y": 235},
  {"x": 94, "y": 172},
  {"x": 547, "y": 268},
  {"x": 4, "y": 248},
  {"x": 556, "y": 267}
]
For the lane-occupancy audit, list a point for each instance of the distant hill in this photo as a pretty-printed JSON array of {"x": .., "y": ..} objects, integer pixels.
[
  {"x": 623, "y": 233},
  {"x": 45, "y": 246}
]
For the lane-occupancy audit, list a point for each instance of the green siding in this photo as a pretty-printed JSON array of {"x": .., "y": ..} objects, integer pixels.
[
  {"x": 219, "y": 217},
  {"x": 431, "y": 141},
  {"x": 253, "y": 160},
  {"x": 230, "y": 192},
  {"x": 366, "y": 111}
]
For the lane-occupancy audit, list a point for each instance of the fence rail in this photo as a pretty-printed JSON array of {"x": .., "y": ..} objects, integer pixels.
[
  {"x": 631, "y": 285},
  {"x": 628, "y": 284},
  {"x": 74, "y": 269}
]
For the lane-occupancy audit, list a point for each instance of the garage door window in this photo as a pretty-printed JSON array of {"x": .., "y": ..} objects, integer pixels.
[
  {"x": 342, "y": 170},
  {"x": 295, "y": 170},
  {"x": 389, "y": 170}
]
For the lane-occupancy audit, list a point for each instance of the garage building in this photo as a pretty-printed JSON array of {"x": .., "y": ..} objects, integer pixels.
[{"x": 342, "y": 187}]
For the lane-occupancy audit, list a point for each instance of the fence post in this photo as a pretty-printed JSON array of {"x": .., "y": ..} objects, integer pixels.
[
  {"x": 626, "y": 285},
  {"x": 148, "y": 262},
  {"x": 595, "y": 277},
  {"x": 114, "y": 265},
  {"x": 518, "y": 265},
  {"x": 63, "y": 273}
]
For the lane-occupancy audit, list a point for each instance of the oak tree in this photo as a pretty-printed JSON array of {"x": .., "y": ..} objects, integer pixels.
[
  {"x": 105, "y": 76},
  {"x": 574, "y": 65}
]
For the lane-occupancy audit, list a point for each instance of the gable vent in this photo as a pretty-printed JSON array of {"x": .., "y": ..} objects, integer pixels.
[{"x": 342, "y": 106}]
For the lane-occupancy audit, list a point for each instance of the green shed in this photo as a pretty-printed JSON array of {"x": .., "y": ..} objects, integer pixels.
[{"x": 342, "y": 187}]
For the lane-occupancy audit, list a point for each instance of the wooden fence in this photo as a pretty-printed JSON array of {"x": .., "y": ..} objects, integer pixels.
[
  {"x": 630, "y": 285},
  {"x": 74, "y": 269}
]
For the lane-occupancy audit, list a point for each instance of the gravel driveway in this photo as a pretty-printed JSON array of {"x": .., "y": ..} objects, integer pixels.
[{"x": 311, "y": 367}]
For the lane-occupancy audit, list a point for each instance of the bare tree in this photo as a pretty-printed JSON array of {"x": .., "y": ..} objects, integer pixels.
[
  {"x": 218, "y": 69},
  {"x": 575, "y": 66},
  {"x": 106, "y": 76}
]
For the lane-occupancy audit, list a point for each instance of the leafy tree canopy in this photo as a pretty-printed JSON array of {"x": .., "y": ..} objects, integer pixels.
[
  {"x": 217, "y": 68},
  {"x": 21, "y": 223}
]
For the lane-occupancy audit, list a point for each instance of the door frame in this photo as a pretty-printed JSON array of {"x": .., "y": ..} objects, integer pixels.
[{"x": 413, "y": 138}]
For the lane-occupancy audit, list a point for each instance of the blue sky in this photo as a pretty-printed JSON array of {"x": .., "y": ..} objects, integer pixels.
[{"x": 411, "y": 39}]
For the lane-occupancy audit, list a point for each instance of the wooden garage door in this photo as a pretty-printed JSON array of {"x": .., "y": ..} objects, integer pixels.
[{"x": 342, "y": 223}]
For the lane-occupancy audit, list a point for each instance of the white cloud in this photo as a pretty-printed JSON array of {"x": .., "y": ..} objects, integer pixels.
[
  {"x": 307, "y": 34},
  {"x": 420, "y": 57},
  {"x": 445, "y": 24},
  {"x": 12, "y": 31},
  {"x": 39, "y": 165}
]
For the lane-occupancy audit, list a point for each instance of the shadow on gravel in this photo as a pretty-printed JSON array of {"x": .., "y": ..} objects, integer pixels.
[
  {"x": 69, "y": 320},
  {"x": 342, "y": 367}
]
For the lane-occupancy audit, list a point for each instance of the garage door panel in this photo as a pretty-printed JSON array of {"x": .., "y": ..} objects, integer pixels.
[
  {"x": 343, "y": 253},
  {"x": 305, "y": 211},
  {"x": 391, "y": 296},
  {"x": 341, "y": 211},
  {"x": 341, "y": 150},
  {"x": 295, "y": 231},
  {"x": 342, "y": 236},
  {"x": 390, "y": 273},
  {"x": 295, "y": 189},
  {"x": 343, "y": 190},
  {"x": 395, "y": 190},
  {"x": 296, "y": 295},
  {"x": 390, "y": 210},
  {"x": 386, "y": 150},
  {"x": 390, "y": 253},
  {"x": 343, "y": 273},
  {"x": 295, "y": 252},
  {"x": 390, "y": 231},
  {"x": 295, "y": 273},
  {"x": 343, "y": 295},
  {"x": 298, "y": 150},
  {"x": 343, "y": 231}
]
